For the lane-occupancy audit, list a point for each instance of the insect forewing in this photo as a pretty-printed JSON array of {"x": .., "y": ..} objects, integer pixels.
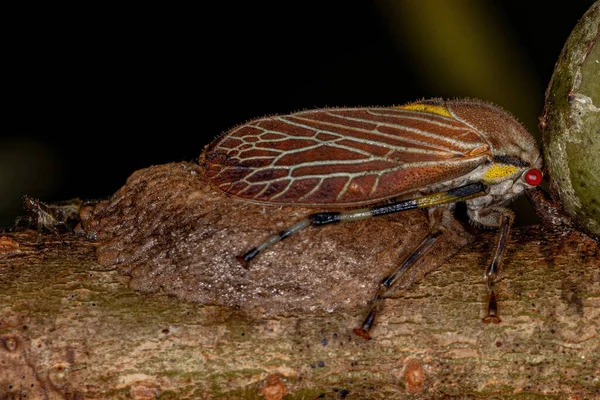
[{"x": 343, "y": 156}]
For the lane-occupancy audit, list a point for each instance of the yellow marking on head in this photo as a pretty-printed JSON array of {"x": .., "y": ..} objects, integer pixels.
[
  {"x": 428, "y": 108},
  {"x": 499, "y": 171}
]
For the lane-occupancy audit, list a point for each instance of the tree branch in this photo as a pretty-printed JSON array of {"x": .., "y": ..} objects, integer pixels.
[{"x": 70, "y": 327}]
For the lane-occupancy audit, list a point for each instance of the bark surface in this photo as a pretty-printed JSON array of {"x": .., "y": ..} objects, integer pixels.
[{"x": 115, "y": 318}]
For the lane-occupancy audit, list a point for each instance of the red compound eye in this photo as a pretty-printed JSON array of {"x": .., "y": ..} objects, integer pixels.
[{"x": 533, "y": 176}]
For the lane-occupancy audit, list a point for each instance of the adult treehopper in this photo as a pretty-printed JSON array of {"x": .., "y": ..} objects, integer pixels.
[{"x": 428, "y": 154}]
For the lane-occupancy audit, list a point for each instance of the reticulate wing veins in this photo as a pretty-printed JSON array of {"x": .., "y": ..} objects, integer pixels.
[{"x": 341, "y": 156}]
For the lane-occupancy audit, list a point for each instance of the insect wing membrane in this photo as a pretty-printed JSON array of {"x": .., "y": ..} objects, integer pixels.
[{"x": 340, "y": 157}]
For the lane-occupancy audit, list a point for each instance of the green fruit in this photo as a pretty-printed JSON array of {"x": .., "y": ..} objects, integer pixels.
[{"x": 571, "y": 125}]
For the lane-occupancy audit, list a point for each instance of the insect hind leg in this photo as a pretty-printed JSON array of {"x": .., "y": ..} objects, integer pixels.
[
  {"x": 249, "y": 255},
  {"x": 324, "y": 218}
]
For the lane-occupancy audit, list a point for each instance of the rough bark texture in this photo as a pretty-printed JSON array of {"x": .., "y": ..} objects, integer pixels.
[{"x": 72, "y": 325}]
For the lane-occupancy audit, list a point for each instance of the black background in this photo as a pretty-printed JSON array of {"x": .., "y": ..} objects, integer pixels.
[{"x": 93, "y": 93}]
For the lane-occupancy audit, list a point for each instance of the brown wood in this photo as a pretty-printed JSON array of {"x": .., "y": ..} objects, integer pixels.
[{"x": 72, "y": 328}]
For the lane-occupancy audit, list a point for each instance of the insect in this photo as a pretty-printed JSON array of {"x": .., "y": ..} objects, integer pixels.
[
  {"x": 427, "y": 154},
  {"x": 53, "y": 217}
]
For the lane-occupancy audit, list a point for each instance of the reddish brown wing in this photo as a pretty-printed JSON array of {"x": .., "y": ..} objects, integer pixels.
[{"x": 342, "y": 156}]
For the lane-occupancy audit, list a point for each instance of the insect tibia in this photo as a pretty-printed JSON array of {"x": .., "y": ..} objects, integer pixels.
[
  {"x": 324, "y": 218},
  {"x": 249, "y": 255},
  {"x": 490, "y": 275},
  {"x": 465, "y": 192}
]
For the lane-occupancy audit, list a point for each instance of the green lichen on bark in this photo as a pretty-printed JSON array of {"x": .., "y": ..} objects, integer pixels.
[{"x": 571, "y": 124}]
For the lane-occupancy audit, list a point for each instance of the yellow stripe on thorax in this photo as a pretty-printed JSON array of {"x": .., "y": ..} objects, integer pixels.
[
  {"x": 428, "y": 108},
  {"x": 499, "y": 170}
]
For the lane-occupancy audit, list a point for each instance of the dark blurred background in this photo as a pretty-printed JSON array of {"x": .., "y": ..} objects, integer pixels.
[{"x": 94, "y": 92}]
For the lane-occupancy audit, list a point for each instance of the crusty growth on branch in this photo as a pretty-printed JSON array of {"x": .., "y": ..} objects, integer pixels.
[{"x": 72, "y": 327}]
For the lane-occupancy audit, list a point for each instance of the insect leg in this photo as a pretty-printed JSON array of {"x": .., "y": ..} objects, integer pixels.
[
  {"x": 491, "y": 273},
  {"x": 246, "y": 257},
  {"x": 316, "y": 219},
  {"x": 385, "y": 285},
  {"x": 453, "y": 195}
]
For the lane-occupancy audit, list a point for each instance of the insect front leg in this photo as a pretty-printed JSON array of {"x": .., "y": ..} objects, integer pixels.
[{"x": 502, "y": 218}]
